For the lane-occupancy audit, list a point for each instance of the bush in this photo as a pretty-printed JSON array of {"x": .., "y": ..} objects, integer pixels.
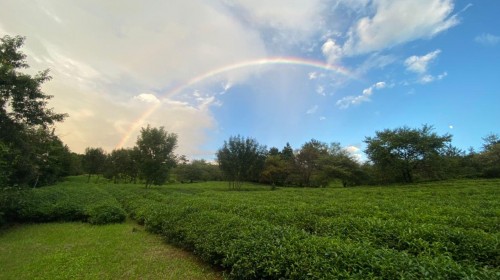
[
  {"x": 66, "y": 202},
  {"x": 426, "y": 232},
  {"x": 106, "y": 214}
]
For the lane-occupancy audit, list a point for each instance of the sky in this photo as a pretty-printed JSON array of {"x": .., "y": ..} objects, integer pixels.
[{"x": 275, "y": 70}]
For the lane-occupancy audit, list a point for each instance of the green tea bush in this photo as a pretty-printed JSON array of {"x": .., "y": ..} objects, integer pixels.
[
  {"x": 69, "y": 202},
  {"x": 358, "y": 233},
  {"x": 366, "y": 233},
  {"x": 106, "y": 214}
]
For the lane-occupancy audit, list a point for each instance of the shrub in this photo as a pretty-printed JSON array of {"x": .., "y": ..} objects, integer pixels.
[{"x": 106, "y": 214}]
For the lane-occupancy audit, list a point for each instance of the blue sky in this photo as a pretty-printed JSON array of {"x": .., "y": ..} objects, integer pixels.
[{"x": 278, "y": 71}]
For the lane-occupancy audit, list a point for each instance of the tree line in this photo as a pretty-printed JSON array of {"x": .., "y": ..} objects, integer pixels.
[
  {"x": 401, "y": 155},
  {"x": 32, "y": 155}
]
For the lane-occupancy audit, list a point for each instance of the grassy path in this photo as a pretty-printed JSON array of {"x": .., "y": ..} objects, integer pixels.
[{"x": 83, "y": 251}]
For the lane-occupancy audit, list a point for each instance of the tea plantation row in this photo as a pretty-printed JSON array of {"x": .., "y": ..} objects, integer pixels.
[
  {"x": 430, "y": 231},
  {"x": 445, "y": 230},
  {"x": 67, "y": 201}
]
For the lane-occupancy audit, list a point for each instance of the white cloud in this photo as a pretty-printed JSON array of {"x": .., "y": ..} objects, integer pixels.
[
  {"x": 347, "y": 101},
  {"x": 322, "y": 118},
  {"x": 147, "y": 98},
  {"x": 128, "y": 48},
  {"x": 425, "y": 79},
  {"x": 320, "y": 90},
  {"x": 487, "y": 39},
  {"x": 419, "y": 64},
  {"x": 332, "y": 51},
  {"x": 291, "y": 20},
  {"x": 379, "y": 85},
  {"x": 396, "y": 22},
  {"x": 355, "y": 152},
  {"x": 312, "y": 110},
  {"x": 313, "y": 75}
]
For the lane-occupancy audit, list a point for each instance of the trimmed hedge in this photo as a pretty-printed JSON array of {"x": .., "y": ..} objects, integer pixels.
[
  {"x": 106, "y": 214},
  {"x": 273, "y": 235},
  {"x": 66, "y": 202}
]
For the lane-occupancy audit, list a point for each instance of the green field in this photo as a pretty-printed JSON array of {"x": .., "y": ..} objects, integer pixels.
[
  {"x": 447, "y": 230},
  {"x": 82, "y": 251}
]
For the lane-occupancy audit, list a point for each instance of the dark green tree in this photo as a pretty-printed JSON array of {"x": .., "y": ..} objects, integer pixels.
[
  {"x": 307, "y": 161},
  {"x": 403, "y": 153},
  {"x": 339, "y": 164},
  {"x": 94, "y": 162},
  {"x": 24, "y": 117},
  {"x": 121, "y": 165},
  {"x": 275, "y": 170},
  {"x": 156, "y": 149},
  {"x": 197, "y": 170},
  {"x": 489, "y": 159},
  {"x": 241, "y": 159}
]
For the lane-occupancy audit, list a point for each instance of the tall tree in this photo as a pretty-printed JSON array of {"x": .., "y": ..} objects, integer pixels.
[
  {"x": 489, "y": 158},
  {"x": 23, "y": 116},
  {"x": 20, "y": 92},
  {"x": 156, "y": 148},
  {"x": 241, "y": 159},
  {"x": 94, "y": 162},
  {"x": 404, "y": 151},
  {"x": 308, "y": 162}
]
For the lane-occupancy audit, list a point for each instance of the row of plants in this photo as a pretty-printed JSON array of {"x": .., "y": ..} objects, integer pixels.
[
  {"x": 333, "y": 233},
  {"x": 67, "y": 201}
]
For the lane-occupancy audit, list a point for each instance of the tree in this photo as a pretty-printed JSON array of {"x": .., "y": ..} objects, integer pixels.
[
  {"x": 24, "y": 117},
  {"x": 120, "y": 165},
  {"x": 22, "y": 92},
  {"x": 308, "y": 162},
  {"x": 275, "y": 170},
  {"x": 94, "y": 162},
  {"x": 197, "y": 170},
  {"x": 241, "y": 159},
  {"x": 489, "y": 158},
  {"x": 156, "y": 149},
  {"x": 404, "y": 152}
]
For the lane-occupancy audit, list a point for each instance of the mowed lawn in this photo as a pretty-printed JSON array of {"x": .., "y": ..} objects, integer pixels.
[{"x": 84, "y": 251}]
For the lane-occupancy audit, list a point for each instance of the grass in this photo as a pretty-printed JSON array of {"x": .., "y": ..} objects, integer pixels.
[
  {"x": 437, "y": 230},
  {"x": 83, "y": 251}
]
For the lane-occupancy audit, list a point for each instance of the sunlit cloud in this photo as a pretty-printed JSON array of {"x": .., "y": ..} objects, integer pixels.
[
  {"x": 332, "y": 51},
  {"x": 395, "y": 22},
  {"x": 355, "y": 152},
  {"x": 146, "y": 97}
]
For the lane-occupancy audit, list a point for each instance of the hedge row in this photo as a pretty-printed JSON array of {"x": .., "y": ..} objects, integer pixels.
[
  {"x": 253, "y": 247},
  {"x": 62, "y": 202}
]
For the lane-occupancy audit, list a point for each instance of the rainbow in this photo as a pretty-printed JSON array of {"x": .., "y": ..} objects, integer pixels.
[{"x": 228, "y": 68}]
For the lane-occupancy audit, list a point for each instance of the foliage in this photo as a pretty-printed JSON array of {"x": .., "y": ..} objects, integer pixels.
[
  {"x": 106, "y": 214},
  {"x": 156, "y": 149},
  {"x": 317, "y": 164},
  {"x": 63, "y": 202},
  {"x": 123, "y": 165},
  {"x": 21, "y": 92},
  {"x": 489, "y": 159},
  {"x": 30, "y": 155},
  {"x": 405, "y": 153},
  {"x": 94, "y": 162},
  {"x": 197, "y": 170},
  {"x": 445, "y": 230},
  {"x": 241, "y": 159}
]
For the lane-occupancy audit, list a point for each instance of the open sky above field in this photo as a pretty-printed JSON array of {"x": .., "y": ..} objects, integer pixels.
[{"x": 278, "y": 71}]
